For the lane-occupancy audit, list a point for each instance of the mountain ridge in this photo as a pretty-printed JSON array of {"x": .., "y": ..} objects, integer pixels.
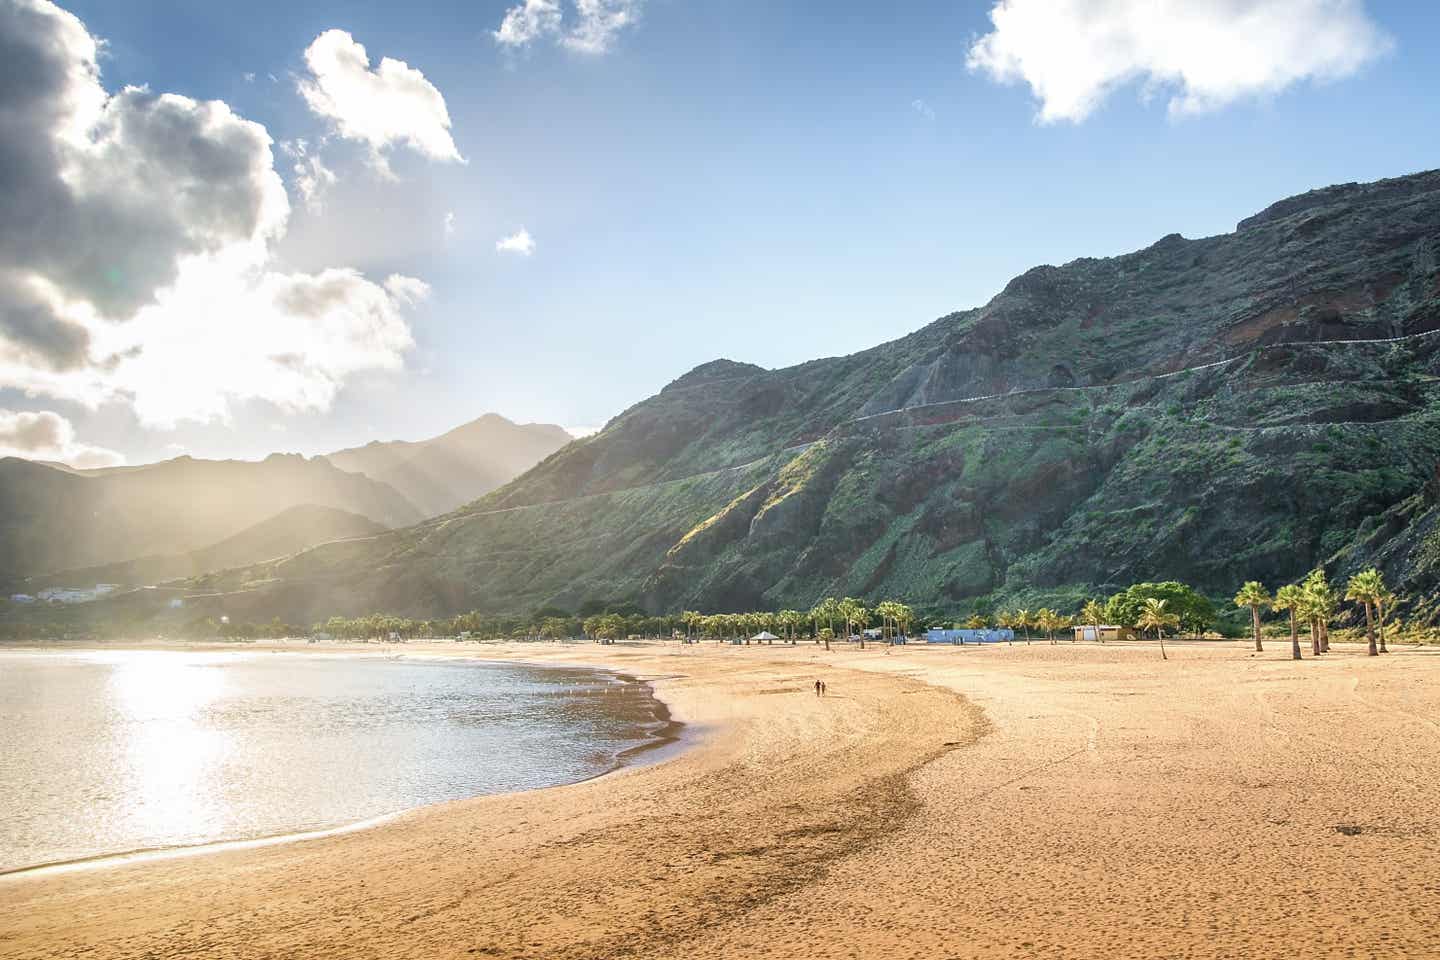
[{"x": 464, "y": 463}]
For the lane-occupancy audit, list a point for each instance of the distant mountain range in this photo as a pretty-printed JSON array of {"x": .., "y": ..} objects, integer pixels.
[
  {"x": 140, "y": 524},
  {"x": 288, "y": 532},
  {"x": 454, "y": 468}
]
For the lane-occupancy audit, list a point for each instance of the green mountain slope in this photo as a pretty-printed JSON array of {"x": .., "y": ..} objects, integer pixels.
[{"x": 1247, "y": 405}]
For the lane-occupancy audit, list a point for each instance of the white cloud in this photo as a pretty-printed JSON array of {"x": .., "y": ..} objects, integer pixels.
[
  {"x": 136, "y": 258},
  {"x": 46, "y": 435},
  {"x": 528, "y": 22},
  {"x": 923, "y": 108},
  {"x": 1209, "y": 53},
  {"x": 312, "y": 178},
  {"x": 599, "y": 23},
  {"x": 518, "y": 242},
  {"x": 389, "y": 105},
  {"x": 407, "y": 289},
  {"x": 291, "y": 339},
  {"x": 249, "y": 78},
  {"x": 592, "y": 27},
  {"x": 450, "y": 223}
]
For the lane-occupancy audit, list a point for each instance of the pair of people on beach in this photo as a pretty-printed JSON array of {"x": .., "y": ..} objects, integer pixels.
[{"x": 819, "y": 688}]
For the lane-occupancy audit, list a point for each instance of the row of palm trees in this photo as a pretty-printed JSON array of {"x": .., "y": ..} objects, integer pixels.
[
  {"x": 1315, "y": 602},
  {"x": 1045, "y": 620},
  {"x": 818, "y": 623},
  {"x": 1312, "y": 603}
]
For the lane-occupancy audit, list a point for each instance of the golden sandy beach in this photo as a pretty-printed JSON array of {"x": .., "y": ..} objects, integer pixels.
[{"x": 1042, "y": 801}]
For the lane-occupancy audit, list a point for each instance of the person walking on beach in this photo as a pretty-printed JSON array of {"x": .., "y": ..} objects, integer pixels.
[
  {"x": 823, "y": 688},
  {"x": 819, "y": 688}
]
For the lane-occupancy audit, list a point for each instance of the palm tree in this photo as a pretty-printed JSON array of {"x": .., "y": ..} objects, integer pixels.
[
  {"x": 904, "y": 618},
  {"x": 886, "y": 610},
  {"x": 1254, "y": 595},
  {"x": 827, "y": 610},
  {"x": 1154, "y": 616},
  {"x": 1046, "y": 619},
  {"x": 1310, "y": 612},
  {"x": 976, "y": 622},
  {"x": 856, "y": 615},
  {"x": 1366, "y": 588},
  {"x": 1092, "y": 613},
  {"x": 789, "y": 620},
  {"x": 692, "y": 620},
  {"x": 1291, "y": 599},
  {"x": 1321, "y": 607},
  {"x": 1384, "y": 600},
  {"x": 1024, "y": 620}
]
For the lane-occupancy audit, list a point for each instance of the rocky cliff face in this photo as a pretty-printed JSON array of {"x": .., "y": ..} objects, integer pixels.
[{"x": 1241, "y": 406}]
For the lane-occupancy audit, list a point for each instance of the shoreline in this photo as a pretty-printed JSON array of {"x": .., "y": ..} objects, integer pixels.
[
  {"x": 1043, "y": 801},
  {"x": 664, "y": 737}
]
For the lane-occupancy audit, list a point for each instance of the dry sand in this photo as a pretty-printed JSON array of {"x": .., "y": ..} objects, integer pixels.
[{"x": 1044, "y": 801}]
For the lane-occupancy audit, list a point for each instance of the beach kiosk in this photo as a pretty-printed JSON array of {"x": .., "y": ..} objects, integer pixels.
[
  {"x": 1105, "y": 632},
  {"x": 766, "y": 636}
]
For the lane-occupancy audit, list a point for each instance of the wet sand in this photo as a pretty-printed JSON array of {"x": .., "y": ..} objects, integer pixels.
[{"x": 1065, "y": 801}]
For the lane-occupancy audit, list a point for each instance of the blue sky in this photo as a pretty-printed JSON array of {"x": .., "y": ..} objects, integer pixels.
[{"x": 769, "y": 182}]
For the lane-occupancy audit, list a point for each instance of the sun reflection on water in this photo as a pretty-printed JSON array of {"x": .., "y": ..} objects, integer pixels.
[
  {"x": 120, "y": 751},
  {"x": 171, "y": 755}
]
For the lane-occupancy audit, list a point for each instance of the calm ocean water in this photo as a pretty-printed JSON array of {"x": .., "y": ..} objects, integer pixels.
[{"x": 112, "y": 752}]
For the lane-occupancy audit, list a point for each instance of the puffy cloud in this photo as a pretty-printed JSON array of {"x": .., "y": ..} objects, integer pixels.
[
  {"x": 1075, "y": 53},
  {"x": 923, "y": 108},
  {"x": 135, "y": 258},
  {"x": 46, "y": 435},
  {"x": 391, "y": 104},
  {"x": 592, "y": 29},
  {"x": 528, "y": 22},
  {"x": 518, "y": 242},
  {"x": 291, "y": 339}
]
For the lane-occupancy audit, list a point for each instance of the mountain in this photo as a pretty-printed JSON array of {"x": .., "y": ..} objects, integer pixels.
[
  {"x": 288, "y": 532},
  {"x": 455, "y": 468},
  {"x": 1241, "y": 406},
  {"x": 53, "y": 519}
]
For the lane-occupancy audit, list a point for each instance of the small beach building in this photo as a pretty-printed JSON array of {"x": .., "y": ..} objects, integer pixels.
[
  {"x": 765, "y": 636},
  {"x": 1105, "y": 633},
  {"x": 939, "y": 635}
]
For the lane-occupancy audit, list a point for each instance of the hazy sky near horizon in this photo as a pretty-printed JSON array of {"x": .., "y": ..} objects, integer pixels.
[{"x": 297, "y": 227}]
